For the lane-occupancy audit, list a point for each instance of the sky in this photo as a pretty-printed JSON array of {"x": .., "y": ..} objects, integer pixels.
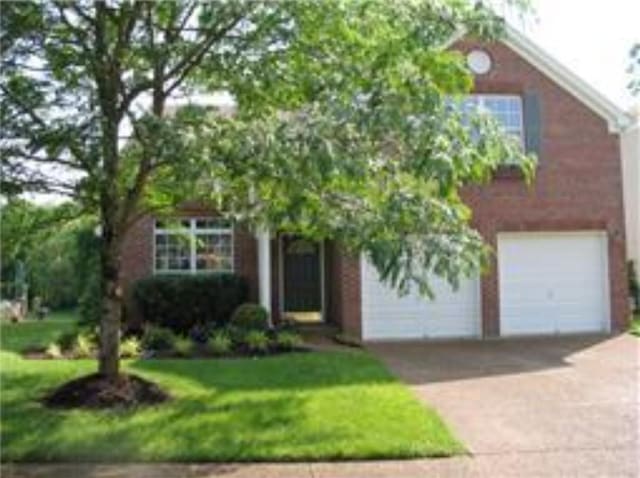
[{"x": 590, "y": 37}]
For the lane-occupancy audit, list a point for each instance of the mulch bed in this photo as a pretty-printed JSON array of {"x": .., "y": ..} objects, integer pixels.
[{"x": 96, "y": 391}]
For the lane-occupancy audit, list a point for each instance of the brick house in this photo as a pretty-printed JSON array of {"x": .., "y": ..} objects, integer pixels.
[
  {"x": 630, "y": 142},
  {"x": 559, "y": 262}
]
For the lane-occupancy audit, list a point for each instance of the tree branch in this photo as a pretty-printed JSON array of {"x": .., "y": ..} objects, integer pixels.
[
  {"x": 197, "y": 53},
  {"x": 43, "y": 159}
]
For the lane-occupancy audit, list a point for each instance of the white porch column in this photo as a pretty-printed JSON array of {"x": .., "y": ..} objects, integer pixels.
[{"x": 264, "y": 268}]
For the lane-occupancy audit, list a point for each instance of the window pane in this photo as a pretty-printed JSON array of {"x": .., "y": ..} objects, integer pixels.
[
  {"x": 172, "y": 252},
  {"x": 214, "y": 252},
  {"x": 173, "y": 224},
  {"x": 213, "y": 223},
  {"x": 208, "y": 246},
  {"x": 507, "y": 110}
]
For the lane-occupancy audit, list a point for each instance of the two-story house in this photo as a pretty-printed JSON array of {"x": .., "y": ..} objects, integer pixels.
[{"x": 559, "y": 243}]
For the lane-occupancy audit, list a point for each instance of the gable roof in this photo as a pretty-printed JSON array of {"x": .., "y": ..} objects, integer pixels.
[{"x": 616, "y": 117}]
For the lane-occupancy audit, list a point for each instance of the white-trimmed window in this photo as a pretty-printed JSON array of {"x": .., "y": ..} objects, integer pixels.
[
  {"x": 190, "y": 245},
  {"x": 505, "y": 109}
]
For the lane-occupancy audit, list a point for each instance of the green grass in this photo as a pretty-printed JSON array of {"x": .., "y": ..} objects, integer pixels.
[
  {"x": 16, "y": 337},
  {"x": 634, "y": 329},
  {"x": 307, "y": 406}
]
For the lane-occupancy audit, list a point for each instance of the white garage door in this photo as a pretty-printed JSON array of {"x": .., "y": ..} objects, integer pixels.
[
  {"x": 553, "y": 283},
  {"x": 385, "y": 315}
]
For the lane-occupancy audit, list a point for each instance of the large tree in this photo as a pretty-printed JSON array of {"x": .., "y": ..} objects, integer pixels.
[
  {"x": 345, "y": 123},
  {"x": 634, "y": 69}
]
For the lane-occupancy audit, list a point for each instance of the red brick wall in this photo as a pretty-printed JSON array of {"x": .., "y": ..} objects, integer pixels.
[
  {"x": 578, "y": 184},
  {"x": 246, "y": 259},
  {"x": 343, "y": 288},
  {"x": 137, "y": 254}
]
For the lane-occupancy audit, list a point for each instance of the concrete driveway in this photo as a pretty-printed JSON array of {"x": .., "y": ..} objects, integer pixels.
[{"x": 532, "y": 407}]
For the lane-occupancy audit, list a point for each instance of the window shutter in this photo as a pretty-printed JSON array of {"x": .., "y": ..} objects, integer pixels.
[{"x": 532, "y": 123}]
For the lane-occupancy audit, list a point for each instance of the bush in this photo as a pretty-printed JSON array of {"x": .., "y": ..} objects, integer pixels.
[
  {"x": 53, "y": 351},
  {"x": 183, "y": 347},
  {"x": 84, "y": 346},
  {"x": 220, "y": 343},
  {"x": 288, "y": 340},
  {"x": 256, "y": 341},
  {"x": 130, "y": 348},
  {"x": 200, "y": 333},
  {"x": 158, "y": 339},
  {"x": 181, "y": 302},
  {"x": 67, "y": 340},
  {"x": 250, "y": 317},
  {"x": 81, "y": 343}
]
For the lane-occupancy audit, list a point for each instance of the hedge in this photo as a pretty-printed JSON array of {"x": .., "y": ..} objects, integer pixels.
[{"x": 181, "y": 302}]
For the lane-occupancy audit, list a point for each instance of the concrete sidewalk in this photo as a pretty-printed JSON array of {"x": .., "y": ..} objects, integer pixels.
[{"x": 591, "y": 463}]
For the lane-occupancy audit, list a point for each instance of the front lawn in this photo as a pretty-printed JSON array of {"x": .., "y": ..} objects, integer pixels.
[
  {"x": 306, "y": 406},
  {"x": 16, "y": 337}
]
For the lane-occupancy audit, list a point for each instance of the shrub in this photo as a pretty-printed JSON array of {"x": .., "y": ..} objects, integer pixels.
[
  {"x": 158, "y": 339},
  {"x": 288, "y": 340},
  {"x": 236, "y": 334},
  {"x": 256, "y": 341},
  {"x": 53, "y": 351},
  {"x": 67, "y": 340},
  {"x": 181, "y": 302},
  {"x": 130, "y": 348},
  {"x": 250, "y": 317},
  {"x": 200, "y": 333},
  {"x": 81, "y": 343},
  {"x": 183, "y": 347},
  {"x": 220, "y": 343},
  {"x": 84, "y": 346}
]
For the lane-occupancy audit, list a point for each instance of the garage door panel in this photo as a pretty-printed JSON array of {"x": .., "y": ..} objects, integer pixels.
[
  {"x": 524, "y": 292},
  {"x": 387, "y": 315},
  {"x": 580, "y": 323},
  {"x": 403, "y": 329},
  {"x": 449, "y": 326},
  {"x": 552, "y": 282}
]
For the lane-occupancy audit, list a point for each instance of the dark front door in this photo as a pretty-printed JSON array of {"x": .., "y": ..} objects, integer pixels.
[{"x": 302, "y": 285}]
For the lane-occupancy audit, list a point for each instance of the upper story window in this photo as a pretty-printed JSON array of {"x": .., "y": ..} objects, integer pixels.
[
  {"x": 192, "y": 245},
  {"x": 505, "y": 109}
]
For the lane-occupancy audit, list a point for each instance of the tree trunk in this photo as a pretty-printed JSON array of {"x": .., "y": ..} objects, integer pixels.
[
  {"x": 109, "y": 359},
  {"x": 108, "y": 79}
]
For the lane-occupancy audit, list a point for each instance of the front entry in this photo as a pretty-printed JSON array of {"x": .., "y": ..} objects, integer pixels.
[{"x": 302, "y": 279}]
